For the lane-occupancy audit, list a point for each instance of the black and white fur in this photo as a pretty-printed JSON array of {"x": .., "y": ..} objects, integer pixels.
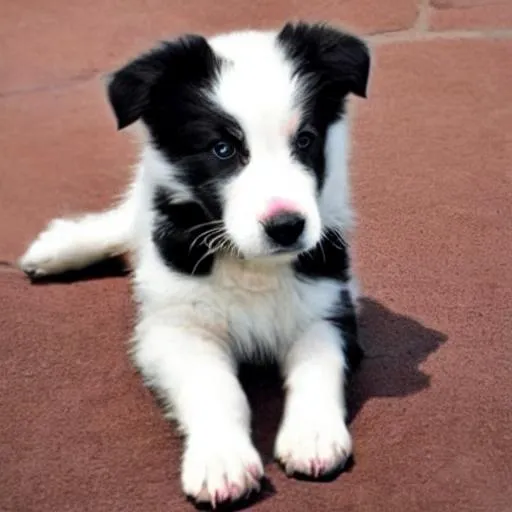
[{"x": 241, "y": 131}]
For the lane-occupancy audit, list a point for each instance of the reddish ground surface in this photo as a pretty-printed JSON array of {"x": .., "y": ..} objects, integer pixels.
[{"x": 431, "y": 406}]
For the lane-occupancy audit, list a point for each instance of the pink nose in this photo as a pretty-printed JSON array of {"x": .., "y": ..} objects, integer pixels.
[{"x": 277, "y": 207}]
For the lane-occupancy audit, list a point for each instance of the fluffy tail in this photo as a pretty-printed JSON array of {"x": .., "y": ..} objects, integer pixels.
[{"x": 73, "y": 244}]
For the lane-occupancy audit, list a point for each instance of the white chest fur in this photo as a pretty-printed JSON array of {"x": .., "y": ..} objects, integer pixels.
[{"x": 257, "y": 309}]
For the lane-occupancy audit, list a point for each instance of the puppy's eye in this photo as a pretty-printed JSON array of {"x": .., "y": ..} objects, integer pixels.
[
  {"x": 224, "y": 150},
  {"x": 304, "y": 139}
]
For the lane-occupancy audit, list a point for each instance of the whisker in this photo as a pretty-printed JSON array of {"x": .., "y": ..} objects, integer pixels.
[
  {"x": 216, "y": 239},
  {"x": 323, "y": 252},
  {"x": 208, "y": 253},
  {"x": 235, "y": 250},
  {"x": 339, "y": 237},
  {"x": 204, "y": 236},
  {"x": 224, "y": 246},
  {"x": 203, "y": 224}
]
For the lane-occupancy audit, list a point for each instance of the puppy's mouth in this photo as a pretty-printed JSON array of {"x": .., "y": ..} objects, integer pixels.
[
  {"x": 276, "y": 254},
  {"x": 290, "y": 251}
]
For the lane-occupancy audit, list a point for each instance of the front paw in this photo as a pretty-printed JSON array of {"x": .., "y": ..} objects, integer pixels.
[
  {"x": 220, "y": 469},
  {"x": 313, "y": 444}
]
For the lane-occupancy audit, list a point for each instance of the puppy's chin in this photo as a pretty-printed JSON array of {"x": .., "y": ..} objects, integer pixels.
[{"x": 274, "y": 258}]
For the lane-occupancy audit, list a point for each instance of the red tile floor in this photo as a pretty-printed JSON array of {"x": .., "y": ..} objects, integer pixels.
[{"x": 432, "y": 404}]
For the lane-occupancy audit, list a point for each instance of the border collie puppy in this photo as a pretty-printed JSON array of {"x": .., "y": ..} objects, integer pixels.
[{"x": 236, "y": 223}]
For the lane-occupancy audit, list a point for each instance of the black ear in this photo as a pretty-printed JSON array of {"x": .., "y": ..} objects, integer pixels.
[
  {"x": 130, "y": 88},
  {"x": 326, "y": 52}
]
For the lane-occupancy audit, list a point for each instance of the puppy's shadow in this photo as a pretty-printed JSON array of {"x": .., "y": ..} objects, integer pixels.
[
  {"x": 395, "y": 346},
  {"x": 109, "y": 268}
]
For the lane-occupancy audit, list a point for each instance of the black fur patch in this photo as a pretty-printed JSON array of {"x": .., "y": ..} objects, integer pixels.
[
  {"x": 330, "y": 260},
  {"x": 133, "y": 89},
  {"x": 167, "y": 88},
  {"x": 331, "y": 64},
  {"x": 346, "y": 321},
  {"x": 176, "y": 228},
  {"x": 326, "y": 56}
]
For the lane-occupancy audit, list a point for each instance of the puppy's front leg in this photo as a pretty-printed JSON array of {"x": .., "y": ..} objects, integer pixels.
[
  {"x": 313, "y": 438},
  {"x": 197, "y": 377}
]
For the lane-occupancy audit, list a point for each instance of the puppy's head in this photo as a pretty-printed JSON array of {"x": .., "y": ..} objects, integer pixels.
[{"x": 242, "y": 123}]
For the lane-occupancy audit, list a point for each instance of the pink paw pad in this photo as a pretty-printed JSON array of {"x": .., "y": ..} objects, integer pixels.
[
  {"x": 234, "y": 491},
  {"x": 254, "y": 472},
  {"x": 317, "y": 467},
  {"x": 222, "y": 495}
]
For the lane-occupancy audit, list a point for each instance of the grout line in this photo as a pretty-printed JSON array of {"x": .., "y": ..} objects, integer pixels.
[
  {"x": 384, "y": 32},
  {"x": 423, "y": 19},
  {"x": 413, "y": 36},
  {"x": 468, "y": 5},
  {"x": 69, "y": 82},
  {"x": 6, "y": 267}
]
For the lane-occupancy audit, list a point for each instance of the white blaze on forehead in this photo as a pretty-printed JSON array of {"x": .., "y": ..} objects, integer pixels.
[{"x": 257, "y": 86}]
